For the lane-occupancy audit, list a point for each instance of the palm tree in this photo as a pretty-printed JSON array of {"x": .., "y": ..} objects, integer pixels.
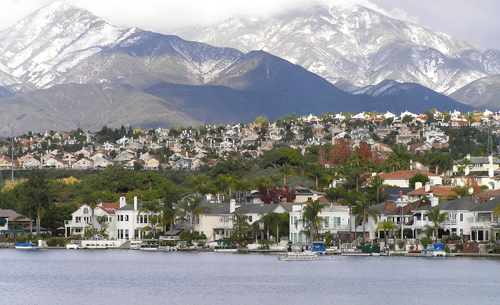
[
  {"x": 152, "y": 209},
  {"x": 270, "y": 220},
  {"x": 37, "y": 196},
  {"x": 436, "y": 217},
  {"x": 192, "y": 208},
  {"x": 103, "y": 223},
  {"x": 386, "y": 226},
  {"x": 316, "y": 173},
  {"x": 377, "y": 182},
  {"x": 363, "y": 212},
  {"x": 311, "y": 218},
  {"x": 286, "y": 171},
  {"x": 241, "y": 228},
  {"x": 169, "y": 214}
]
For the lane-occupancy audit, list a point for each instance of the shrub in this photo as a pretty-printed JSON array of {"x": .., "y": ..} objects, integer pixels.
[
  {"x": 425, "y": 241},
  {"x": 391, "y": 247},
  {"x": 401, "y": 244},
  {"x": 56, "y": 242},
  {"x": 459, "y": 247},
  {"x": 185, "y": 236}
]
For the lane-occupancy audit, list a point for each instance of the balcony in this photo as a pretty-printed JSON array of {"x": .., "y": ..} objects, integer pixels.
[{"x": 483, "y": 225}]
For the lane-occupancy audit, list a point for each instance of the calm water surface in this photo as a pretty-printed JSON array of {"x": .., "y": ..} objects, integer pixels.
[{"x": 135, "y": 277}]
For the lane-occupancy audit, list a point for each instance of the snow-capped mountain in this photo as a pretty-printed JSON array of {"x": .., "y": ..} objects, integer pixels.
[
  {"x": 47, "y": 43},
  {"x": 352, "y": 46},
  {"x": 482, "y": 93},
  {"x": 62, "y": 67}
]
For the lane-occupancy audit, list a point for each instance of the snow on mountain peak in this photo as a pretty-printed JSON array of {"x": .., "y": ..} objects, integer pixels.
[{"x": 51, "y": 40}]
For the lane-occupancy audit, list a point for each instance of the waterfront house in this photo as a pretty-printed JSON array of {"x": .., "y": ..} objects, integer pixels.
[
  {"x": 81, "y": 219},
  {"x": 335, "y": 219},
  {"x": 459, "y": 217},
  {"x": 485, "y": 224},
  {"x": 12, "y": 224}
]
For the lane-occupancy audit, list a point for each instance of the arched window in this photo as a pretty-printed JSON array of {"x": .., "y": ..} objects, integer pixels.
[{"x": 85, "y": 211}]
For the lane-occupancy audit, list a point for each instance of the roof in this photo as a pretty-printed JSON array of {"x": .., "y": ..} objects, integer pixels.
[
  {"x": 110, "y": 208},
  {"x": 256, "y": 208},
  {"x": 461, "y": 204},
  {"x": 406, "y": 174},
  {"x": 488, "y": 206},
  {"x": 217, "y": 208},
  {"x": 436, "y": 190},
  {"x": 11, "y": 215}
]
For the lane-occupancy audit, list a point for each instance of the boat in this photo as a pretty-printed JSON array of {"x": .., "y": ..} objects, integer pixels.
[
  {"x": 298, "y": 252},
  {"x": 318, "y": 247},
  {"x": 25, "y": 246},
  {"x": 135, "y": 244},
  {"x": 436, "y": 250},
  {"x": 149, "y": 247},
  {"x": 298, "y": 256},
  {"x": 72, "y": 246}
]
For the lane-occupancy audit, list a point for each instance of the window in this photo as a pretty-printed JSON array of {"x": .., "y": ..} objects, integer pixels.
[
  {"x": 249, "y": 218},
  {"x": 85, "y": 211},
  {"x": 461, "y": 217},
  {"x": 336, "y": 222},
  {"x": 126, "y": 217},
  {"x": 327, "y": 222}
]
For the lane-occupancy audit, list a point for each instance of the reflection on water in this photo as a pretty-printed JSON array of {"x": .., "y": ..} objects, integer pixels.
[{"x": 135, "y": 277}]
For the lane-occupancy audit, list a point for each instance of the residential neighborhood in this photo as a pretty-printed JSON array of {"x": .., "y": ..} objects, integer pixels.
[{"x": 368, "y": 177}]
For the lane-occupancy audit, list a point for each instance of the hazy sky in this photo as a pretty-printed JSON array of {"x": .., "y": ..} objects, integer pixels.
[{"x": 475, "y": 21}]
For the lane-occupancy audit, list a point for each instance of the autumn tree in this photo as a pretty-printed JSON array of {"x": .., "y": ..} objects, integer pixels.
[
  {"x": 288, "y": 193},
  {"x": 269, "y": 195},
  {"x": 363, "y": 151},
  {"x": 340, "y": 151}
]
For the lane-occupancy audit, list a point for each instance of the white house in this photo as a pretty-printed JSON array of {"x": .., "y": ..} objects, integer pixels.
[
  {"x": 335, "y": 220},
  {"x": 81, "y": 219}
]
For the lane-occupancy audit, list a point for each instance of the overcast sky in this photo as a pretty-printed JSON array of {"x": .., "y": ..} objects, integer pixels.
[{"x": 475, "y": 21}]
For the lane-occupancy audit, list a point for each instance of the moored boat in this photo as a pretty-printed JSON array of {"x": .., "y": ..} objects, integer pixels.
[
  {"x": 298, "y": 256},
  {"x": 25, "y": 246},
  {"x": 149, "y": 247},
  {"x": 437, "y": 250}
]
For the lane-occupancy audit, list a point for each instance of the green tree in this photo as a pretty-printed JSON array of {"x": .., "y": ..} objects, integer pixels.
[
  {"x": 270, "y": 221},
  {"x": 377, "y": 183},
  {"x": 241, "y": 228},
  {"x": 363, "y": 212},
  {"x": 418, "y": 177},
  {"x": 152, "y": 209},
  {"x": 286, "y": 171},
  {"x": 38, "y": 196},
  {"x": 311, "y": 218},
  {"x": 193, "y": 209},
  {"x": 386, "y": 227},
  {"x": 436, "y": 217}
]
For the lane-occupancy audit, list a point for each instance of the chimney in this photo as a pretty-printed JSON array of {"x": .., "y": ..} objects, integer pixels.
[
  {"x": 123, "y": 202},
  {"x": 427, "y": 187},
  {"x": 135, "y": 203},
  {"x": 434, "y": 200},
  {"x": 418, "y": 185},
  {"x": 490, "y": 159},
  {"x": 232, "y": 205},
  {"x": 389, "y": 206}
]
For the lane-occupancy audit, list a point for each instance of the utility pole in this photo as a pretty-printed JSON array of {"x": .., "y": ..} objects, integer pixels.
[{"x": 12, "y": 153}]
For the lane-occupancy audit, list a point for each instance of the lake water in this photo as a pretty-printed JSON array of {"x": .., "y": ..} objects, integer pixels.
[{"x": 136, "y": 277}]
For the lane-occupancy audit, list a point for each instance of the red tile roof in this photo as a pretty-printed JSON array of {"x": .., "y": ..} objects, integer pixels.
[
  {"x": 436, "y": 190},
  {"x": 110, "y": 208},
  {"x": 406, "y": 174}
]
